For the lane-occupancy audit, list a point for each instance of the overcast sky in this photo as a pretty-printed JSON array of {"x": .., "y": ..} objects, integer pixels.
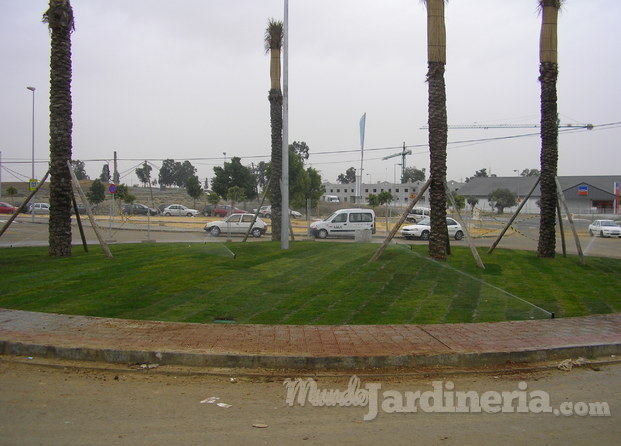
[{"x": 188, "y": 80}]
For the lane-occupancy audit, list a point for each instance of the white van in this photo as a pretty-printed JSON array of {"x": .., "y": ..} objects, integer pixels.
[{"x": 344, "y": 223}]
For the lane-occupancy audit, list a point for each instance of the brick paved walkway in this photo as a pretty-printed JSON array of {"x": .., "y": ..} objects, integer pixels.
[{"x": 306, "y": 346}]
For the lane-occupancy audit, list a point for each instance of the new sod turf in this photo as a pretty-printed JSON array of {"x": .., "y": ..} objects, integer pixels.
[{"x": 310, "y": 283}]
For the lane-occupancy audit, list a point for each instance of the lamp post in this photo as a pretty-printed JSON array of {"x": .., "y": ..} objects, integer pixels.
[{"x": 33, "y": 142}]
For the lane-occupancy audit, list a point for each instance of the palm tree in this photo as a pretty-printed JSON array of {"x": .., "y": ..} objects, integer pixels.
[
  {"x": 273, "y": 44},
  {"x": 548, "y": 73},
  {"x": 59, "y": 18},
  {"x": 438, "y": 129}
]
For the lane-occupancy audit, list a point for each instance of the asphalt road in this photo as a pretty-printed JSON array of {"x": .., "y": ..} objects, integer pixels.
[{"x": 184, "y": 229}]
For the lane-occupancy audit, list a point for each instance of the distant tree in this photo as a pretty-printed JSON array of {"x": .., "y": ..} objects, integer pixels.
[
  {"x": 478, "y": 174},
  {"x": 97, "y": 192},
  {"x": 315, "y": 187},
  {"x": 260, "y": 173},
  {"x": 79, "y": 169},
  {"x": 213, "y": 198},
  {"x": 348, "y": 177},
  {"x": 167, "y": 173},
  {"x": 123, "y": 194},
  {"x": 233, "y": 174},
  {"x": 11, "y": 191},
  {"x": 144, "y": 173},
  {"x": 472, "y": 201},
  {"x": 183, "y": 172},
  {"x": 413, "y": 174},
  {"x": 501, "y": 199},
  {"x": 530, "y": 173},
  {"x": 206, "y": 183},
  {"x": 104, "y": 176},
  {"x": 193, "y": 188},
  {"x": 301, "y": 149},
  {"x": 236, "y": 194},
  {"x": 385, "y": 198},
  {"x": 460, "y": 201}
]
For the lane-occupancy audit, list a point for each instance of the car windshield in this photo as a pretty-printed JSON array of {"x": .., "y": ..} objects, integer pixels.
[
  {"x": 425, "y": 222},
  {"x": 608, "y": 223}
]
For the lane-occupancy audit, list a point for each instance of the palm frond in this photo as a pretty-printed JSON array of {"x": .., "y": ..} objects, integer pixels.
[{"x": 273, "y": 35}]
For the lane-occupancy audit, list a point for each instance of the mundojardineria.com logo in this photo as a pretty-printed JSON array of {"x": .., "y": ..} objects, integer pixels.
[{"x": 441, "y": 398}]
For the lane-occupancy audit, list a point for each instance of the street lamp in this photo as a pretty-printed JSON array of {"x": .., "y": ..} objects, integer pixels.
[{"x": 33, "y": 111}]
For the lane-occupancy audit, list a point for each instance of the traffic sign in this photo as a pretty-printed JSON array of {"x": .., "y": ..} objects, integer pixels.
[
  {"x": 112, "y": 189},
  {"x": 32, "y": 184}
]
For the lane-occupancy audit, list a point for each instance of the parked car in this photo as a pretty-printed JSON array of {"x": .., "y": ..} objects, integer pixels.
[
  {"x": 138, "y": 209},
  {"x": 604, "y": 228},
  {"x": 266, "y": 211},
  {"x": 237, "y": 224},
  {"x": 422, "y": 229},
  {"x": 344, "y": 223},
  {"x": 418, "y": 214},
  {"x": 161, "y": 207},
  {"x": 179, "y": 209},
  {"x": 208, "y": 210},
  {"x": 222, "y": 210},
  {"x": 81, "y": 209},
  {"x": 39, "y": 208},
  {"x": 6, "y": 208}
]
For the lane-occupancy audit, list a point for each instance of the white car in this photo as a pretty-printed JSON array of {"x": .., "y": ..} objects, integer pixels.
[
  {"x": 423, "y": 228},
  {"x": 237, "y": 224},
  {"x": 604, "y": 228},
  {"x": 179, "y": 209}
]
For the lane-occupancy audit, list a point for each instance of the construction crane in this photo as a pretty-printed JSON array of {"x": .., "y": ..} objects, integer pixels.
[
  {"x": 402, "y": 154},
  {"x": 513, "y": 126}
]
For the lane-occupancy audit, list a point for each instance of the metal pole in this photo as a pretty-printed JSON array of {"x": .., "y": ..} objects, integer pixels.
[
  {"x": 32, "y": 177},
  {"x": 284, "y": 184}
]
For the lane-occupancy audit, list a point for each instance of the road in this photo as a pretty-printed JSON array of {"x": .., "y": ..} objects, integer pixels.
[
  {"x": 185, "y": 229},
  {"x": 82, "y": 406}
]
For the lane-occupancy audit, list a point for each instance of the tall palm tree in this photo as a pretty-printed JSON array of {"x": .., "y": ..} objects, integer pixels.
[
  {"x": 548, "y": 73},
  {"x": 438, "y": 129},
  {"x": 273, "y": 44},
  {"x": 59, "y": 18}
]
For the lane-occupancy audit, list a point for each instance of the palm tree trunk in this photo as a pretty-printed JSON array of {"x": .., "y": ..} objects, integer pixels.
[
  {"x": 548, "y": 74},
  {"x": 275, "y": 98},
  {"x": 438, "y": 239},
  {"x": 438, "y": 128},
  {"x": 549, "y": 159},
  {"x": 60, "y": 20}
]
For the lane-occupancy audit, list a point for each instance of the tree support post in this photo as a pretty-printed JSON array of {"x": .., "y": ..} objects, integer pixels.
[
  {"x": 102, "y": 242},
  {"x": 474, "y": 251},
  {"x": 23, "y": 205},
  {"x": 511, "y": 220},
  {"x": 561, "y": 198},
  {"x": 394, "y": 230}
]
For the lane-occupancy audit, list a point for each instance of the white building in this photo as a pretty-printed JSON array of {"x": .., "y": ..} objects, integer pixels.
[{"x": 402, "y": 193}]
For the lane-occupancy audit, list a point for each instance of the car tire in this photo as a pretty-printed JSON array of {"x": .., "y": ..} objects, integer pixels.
[
  {"x": 425, "y": 235},
  {"x": 189, "y": 214},
  {"x": 459, "y": 235},
  {"x": 167, "y": 214},
  {"x": 590, "y": 232},
  {"x": 215, "y": 231},
  {"x": 322, "y": 234},
  {"x": 601, "y": 233},
  {"x": 256, "y": 233}
]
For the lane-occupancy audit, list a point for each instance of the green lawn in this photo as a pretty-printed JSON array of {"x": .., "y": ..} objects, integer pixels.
[{"x": 310, "y": 283}]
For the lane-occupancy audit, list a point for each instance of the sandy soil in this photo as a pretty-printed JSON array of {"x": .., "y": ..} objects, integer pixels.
[{"x": 59, "y": 405}]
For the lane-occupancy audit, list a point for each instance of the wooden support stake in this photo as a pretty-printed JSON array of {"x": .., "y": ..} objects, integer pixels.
[
  {"x": 561, "y": 198},
  {"x": 461, "y": 221},
  {"x": 79, "y": 220},
  {"x": 394, "y": 230},
  {"x": 508, "y": 225},
  {"x": 23, "y": 205},
  {"x": 102, "y": 242}
]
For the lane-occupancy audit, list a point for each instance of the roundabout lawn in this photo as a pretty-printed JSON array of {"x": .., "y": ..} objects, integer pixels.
[{"x": 310, "y": 283}]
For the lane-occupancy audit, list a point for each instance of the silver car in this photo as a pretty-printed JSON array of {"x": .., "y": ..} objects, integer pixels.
[
  {"x": 179, "y": 209},
  {"x": 237, "y": 224},
  {"x": 422, "y": 229}
]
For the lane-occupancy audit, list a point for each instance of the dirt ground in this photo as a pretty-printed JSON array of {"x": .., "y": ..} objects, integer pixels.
[{"x": 60, "y": 403}]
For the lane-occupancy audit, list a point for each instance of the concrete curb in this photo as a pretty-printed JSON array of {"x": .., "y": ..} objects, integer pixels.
[{"x": 257, "y": 361}]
